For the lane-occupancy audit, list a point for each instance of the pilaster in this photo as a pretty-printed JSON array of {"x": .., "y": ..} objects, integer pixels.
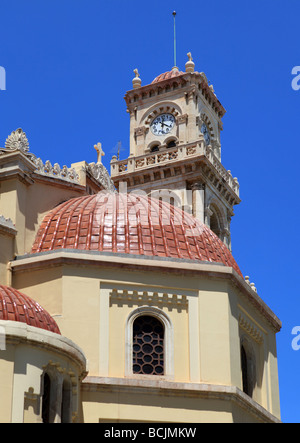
[
  {"x": 198, "y": 190},
  {"x": 192, "y": 115}
]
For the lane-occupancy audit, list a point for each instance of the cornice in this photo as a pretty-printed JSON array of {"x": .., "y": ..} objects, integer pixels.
[
  {"x": 183, "y": 156},
  {"x": 131, "y": 262},
  {"x": 179, "y": 389},
  {"x": 21, "y": 333},
  {"x": 189, "y": 82}
]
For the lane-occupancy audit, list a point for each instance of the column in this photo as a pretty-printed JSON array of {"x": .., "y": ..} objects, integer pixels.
[
  {"x": 198, "y": 190},
  {"x": 131, "y": 136}
]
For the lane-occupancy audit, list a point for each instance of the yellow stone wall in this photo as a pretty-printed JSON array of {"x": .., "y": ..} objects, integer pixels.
[{"x": 92, "y": 303}]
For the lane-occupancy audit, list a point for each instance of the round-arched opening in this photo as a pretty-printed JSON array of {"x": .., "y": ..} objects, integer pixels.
[
  {"x": 214, "y": 224},
  {"x": 171, "y": 144},
  {"x": 148, "y": 346}
]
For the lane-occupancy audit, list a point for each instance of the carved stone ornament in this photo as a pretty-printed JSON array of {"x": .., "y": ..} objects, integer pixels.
[
  {"x": 17, "y": 141},
  {"x": 8, "y": 226},
  {"x": 55, "y": 171},
  {"x": 100, "y": 173},
  {"x": 141, "y": 131}
]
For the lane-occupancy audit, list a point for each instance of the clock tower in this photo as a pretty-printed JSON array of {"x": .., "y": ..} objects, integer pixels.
[{"x": 175, "y": 148}]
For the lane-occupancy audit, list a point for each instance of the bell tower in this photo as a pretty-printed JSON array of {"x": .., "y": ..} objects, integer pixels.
[{"x": 175, "y": 147}]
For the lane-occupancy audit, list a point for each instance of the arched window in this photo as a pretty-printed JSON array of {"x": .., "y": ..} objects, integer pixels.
[
  {"x": 155, "y": 148},
  {"x": 248, "y": 368},
  {"x": 215, "y": 224},
  {"x": 245, "y": 376},
  {"x": 148, "y": 325},
  {"x": 56, "y": 391},
  {"x": 46, "y": 399},
  {"x": 148, "y": 346},
  {"x": 171, "y": 144}
]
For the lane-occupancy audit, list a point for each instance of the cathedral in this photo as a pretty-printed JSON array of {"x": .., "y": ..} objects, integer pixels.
[{"x": 120, "y": 298}]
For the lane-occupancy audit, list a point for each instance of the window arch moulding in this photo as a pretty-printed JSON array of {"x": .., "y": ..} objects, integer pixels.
[{"x": 168, "y": 342}]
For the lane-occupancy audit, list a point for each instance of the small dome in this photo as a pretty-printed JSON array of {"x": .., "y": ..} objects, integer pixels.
[
  {"x": 15, "y": 306},
  {"x": 168, "y": 75},
  {"x": 130, "y": 224}
]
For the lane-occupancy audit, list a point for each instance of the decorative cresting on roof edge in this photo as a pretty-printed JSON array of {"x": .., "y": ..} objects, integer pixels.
[
  {"x": 99, "y": 172},
  {"x": 18, "y": 141},
  {"x": 7, "y": 224}
]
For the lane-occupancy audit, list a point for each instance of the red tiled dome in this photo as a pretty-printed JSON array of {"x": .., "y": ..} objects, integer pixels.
[
  {"x": 167, "y": 75},
  {"x": 16, "y": 306},
  {"x": 130, "y": 224}
]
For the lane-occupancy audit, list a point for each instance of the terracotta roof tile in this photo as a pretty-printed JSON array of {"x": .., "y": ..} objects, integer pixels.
[
  {"x": 167, "y": 75},
  {"x": 131, "y": 224},
  {"x": 16, "y": 306}
]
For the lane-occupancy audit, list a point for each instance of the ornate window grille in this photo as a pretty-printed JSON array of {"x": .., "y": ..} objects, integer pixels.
[{"x": 148, "y": 346}]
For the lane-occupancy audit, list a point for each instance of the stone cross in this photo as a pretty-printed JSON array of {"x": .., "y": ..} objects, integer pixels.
[{"x": 100, "y": 152}]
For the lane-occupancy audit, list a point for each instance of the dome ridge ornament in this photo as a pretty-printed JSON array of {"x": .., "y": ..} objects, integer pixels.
[
  {"x": 136, "y": 82},
  {"x": 190, "y": 65},
  {"x": 17, "y": 141}
]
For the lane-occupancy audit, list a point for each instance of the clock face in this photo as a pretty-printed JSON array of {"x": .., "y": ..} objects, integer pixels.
[
  {"x": 205, "y": 133},
  {"x": 163, "y": 124}
]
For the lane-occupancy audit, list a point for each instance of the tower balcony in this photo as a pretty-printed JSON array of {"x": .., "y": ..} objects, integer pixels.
[{"x": 183, "y": 158}]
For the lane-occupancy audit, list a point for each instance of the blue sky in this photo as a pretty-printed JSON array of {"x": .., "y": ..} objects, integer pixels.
[{"x": 69, "y": 63}]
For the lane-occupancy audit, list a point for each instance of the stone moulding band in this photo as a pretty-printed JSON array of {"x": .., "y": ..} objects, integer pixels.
[
  {"x": 175, "y": 389},
  {"x": 71, "y": 257}
]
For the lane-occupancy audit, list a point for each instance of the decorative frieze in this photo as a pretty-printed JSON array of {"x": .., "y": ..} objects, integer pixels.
[
  {"x": 218, "y": 175},
  {"x": 250, "y": 328},
  {"x": 148, "y": 297}
]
